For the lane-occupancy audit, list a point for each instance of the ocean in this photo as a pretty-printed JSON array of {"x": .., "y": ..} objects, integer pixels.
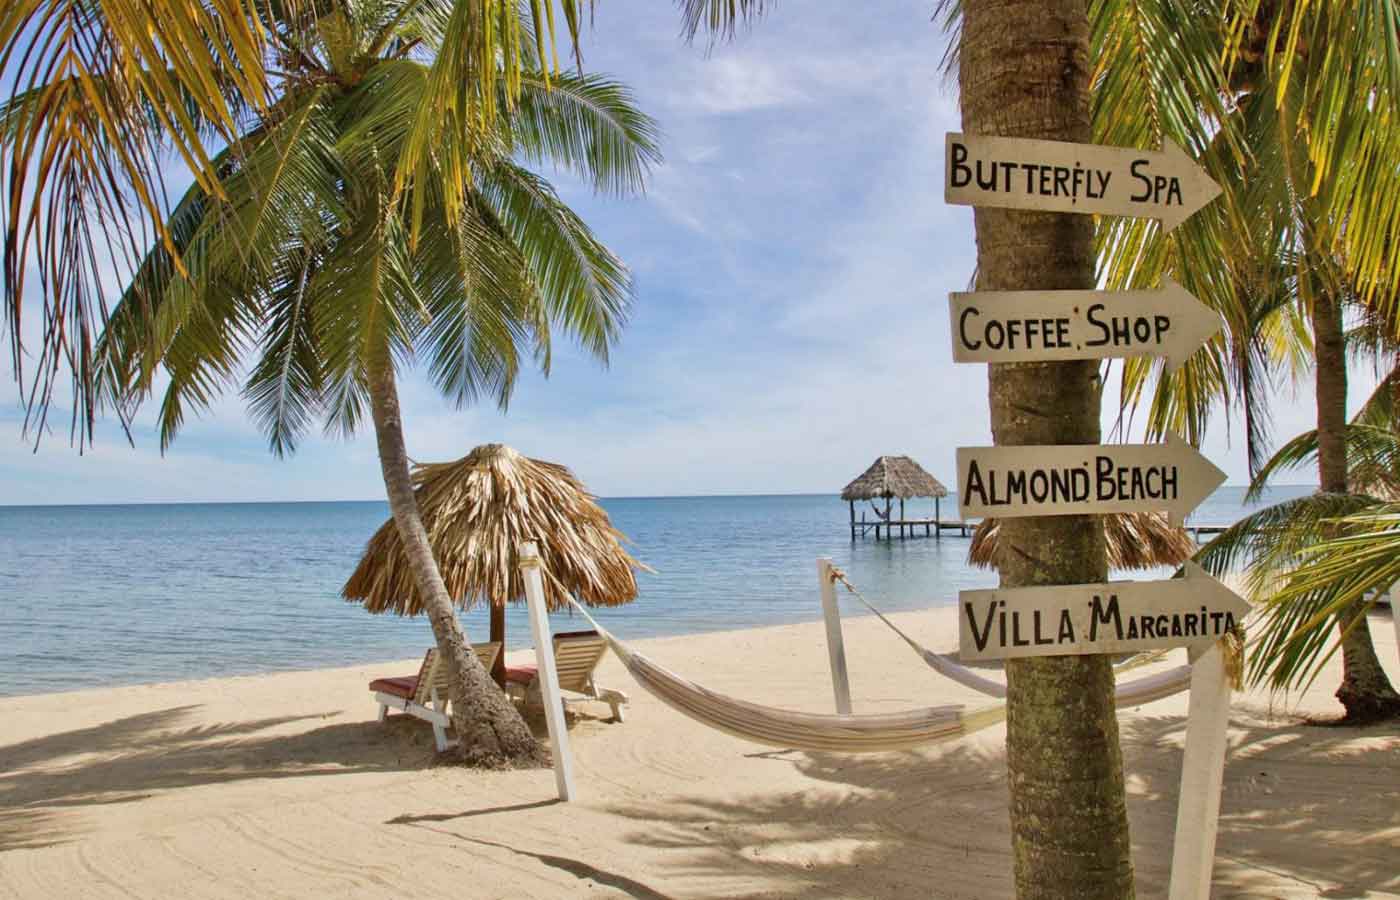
[{"x": 108, "y": 595}]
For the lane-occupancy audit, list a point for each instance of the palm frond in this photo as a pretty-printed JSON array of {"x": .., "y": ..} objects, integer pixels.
[
  {"x": 584, "y": 287},
  {"x": 1329, "y": 581},
  {"x": 719, "y": 19},
  {"x": 113, "y": 86},
  {"x": 586, "y": 124}
]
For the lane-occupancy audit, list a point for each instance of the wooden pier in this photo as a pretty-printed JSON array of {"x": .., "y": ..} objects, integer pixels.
[{"x": 887, "y": 530}]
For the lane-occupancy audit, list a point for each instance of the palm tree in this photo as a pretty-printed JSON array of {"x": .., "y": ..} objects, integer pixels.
[
  {"x": 319, "y": 268},
  {"x": 1069, "y": 828},
  {"x": 123, "y": 85},
  {"x": 1280, "y": 545},
  {"x": 1301, "y": 127}
]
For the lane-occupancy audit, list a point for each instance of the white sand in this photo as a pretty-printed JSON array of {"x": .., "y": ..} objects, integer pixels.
[{"x": 285, "y": 786}]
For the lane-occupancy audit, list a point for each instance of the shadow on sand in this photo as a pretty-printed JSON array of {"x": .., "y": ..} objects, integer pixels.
[
  {"x": 933, "y": 823},
  {"x": 131, "y": 758}
]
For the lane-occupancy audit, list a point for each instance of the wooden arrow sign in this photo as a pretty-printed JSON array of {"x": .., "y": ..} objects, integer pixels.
[
  {"x": 1076, "y": 479},
  {"x": 1055, "y": 176},
  {"x": 1042, "y": 326},
  {"x": 1116, "y": 617}
]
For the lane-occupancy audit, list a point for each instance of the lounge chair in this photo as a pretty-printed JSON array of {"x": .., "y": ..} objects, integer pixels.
[
  {"x": 576, "y": 655},
  {"x": 413, "y": 694}
]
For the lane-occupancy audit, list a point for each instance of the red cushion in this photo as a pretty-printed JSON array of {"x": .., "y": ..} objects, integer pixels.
[
  {"x": 399, "y": 687},
  {"x": 522, "y": 674}
]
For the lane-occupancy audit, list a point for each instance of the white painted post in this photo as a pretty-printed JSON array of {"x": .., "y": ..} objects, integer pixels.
[
  {"x": 548, "y": 675},
  {"x": 1202, "y": 773},
  {"x": 835, "y": 645}
]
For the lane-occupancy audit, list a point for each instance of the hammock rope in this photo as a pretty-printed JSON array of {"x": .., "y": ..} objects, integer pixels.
[
  {"x": 949, "y": 666},
  {"x": 834, "y": 733}
]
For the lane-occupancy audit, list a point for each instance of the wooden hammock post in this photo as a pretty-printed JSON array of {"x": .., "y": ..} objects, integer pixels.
[
  {"x": 835, "y": 645},
  {"x": 1202, "y": 773},
  {"x": 548, "y": 673}
]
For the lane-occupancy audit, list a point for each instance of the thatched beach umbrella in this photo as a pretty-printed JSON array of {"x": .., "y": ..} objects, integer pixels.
[
  {"x": 1135, "y": 541},
  {"x": 477, "y": 510}
]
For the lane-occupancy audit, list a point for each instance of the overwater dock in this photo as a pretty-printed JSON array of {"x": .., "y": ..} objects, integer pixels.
[{"x": 903, "y": 528}]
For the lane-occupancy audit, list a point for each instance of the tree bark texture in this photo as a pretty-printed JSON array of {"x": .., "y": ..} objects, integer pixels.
[
  {"x": 1025, "y": 73},
  {"x": 490, "y": 729},
  {"x": 1366, "y": 692}
]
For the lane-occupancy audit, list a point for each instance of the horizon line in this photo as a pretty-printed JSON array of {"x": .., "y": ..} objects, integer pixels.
[{"x": 715, "y": 495}]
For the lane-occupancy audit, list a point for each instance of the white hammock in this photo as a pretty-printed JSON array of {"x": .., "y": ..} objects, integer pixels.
[
  {"x": 817, "y": 732},
  {"x": 952, "y": 669}
]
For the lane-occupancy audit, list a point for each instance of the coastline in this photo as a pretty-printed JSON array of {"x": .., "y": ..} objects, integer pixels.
[{"x": 222, "y": 787}]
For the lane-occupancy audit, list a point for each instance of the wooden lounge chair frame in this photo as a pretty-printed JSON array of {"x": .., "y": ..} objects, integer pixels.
[
  {"x": 426, "y": 696},
  {"x": 576, "y": 656}
]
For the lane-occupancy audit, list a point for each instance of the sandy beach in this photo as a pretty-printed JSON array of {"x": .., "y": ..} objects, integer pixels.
[{"x": 284, "y": 785}]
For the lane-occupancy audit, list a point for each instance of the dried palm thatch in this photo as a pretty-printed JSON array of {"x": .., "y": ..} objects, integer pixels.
[
  {"x": 894, "y": 476},
  {"x": 477, "y": 510},
  {"x": 1135, "y": 541}
]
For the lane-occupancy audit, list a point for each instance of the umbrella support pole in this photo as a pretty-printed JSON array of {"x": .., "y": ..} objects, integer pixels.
[
  {"x": 498, "y": 636},
  {"x": 548, "y": 674}
]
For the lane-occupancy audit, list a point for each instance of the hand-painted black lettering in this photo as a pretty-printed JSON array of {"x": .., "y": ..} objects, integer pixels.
[
  {"x": 1102, "y": 613},
  {"x": 969, "y": 342},
  {"x": 961, "y": 175},
  {"x": 1093, "y": 320},
  {"x": 1145, "y": 178},
  {"x": 974, "y": 485},
  {"x": 979, "y": 637}
]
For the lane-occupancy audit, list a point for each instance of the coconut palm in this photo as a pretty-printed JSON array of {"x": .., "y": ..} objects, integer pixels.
[
  {"x": 1301, "y": 128},
  {"x": 318, "y": 269},
  {"x": 116, "y": 87}
]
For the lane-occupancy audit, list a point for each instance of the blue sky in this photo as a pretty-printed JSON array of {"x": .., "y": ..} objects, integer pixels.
[{"x": 792, "y": 258}]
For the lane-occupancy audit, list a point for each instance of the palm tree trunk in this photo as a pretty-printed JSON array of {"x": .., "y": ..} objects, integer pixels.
[
  {"x": 490, "y": 729},
  {"x": 1025, "y": 73},
  {"x": 1366, "y": 692}
]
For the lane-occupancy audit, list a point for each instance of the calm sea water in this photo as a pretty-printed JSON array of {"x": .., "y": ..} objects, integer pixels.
[{"x": 105, "y": 595}]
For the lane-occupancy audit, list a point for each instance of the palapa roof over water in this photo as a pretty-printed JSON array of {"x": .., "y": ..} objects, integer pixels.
[
  {"x": 894, "y": 476},
  {"x": 1135, "y": 541},
  {"x": 477, "y": 510}
]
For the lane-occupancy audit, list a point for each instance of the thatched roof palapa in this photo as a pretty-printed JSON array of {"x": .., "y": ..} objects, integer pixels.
[
  {"x": 477, "y": 510},
  {"x": 894, "y": 476},
  {"x": 1135, "y": 541}
]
